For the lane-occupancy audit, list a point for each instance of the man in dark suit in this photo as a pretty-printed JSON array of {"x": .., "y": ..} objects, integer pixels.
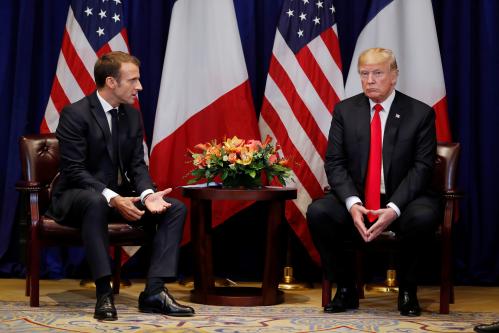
[
  {"x": 103, "y": 173},
  {"x": 379, "y": 161}
]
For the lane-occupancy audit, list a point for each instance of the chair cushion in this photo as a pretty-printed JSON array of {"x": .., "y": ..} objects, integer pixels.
[{"x": 120, "y": 233}]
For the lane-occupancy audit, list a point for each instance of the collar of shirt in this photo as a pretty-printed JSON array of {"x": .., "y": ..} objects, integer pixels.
[
  {"x": 386, "y": 104},
  {"x": 106, "y": 107}
]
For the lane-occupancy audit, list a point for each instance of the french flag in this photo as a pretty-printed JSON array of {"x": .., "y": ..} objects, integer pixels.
[
  {"x": 205, "y": 93},
  {"x": 407, "y": 27}
]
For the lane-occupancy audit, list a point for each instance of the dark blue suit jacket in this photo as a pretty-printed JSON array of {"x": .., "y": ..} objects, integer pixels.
[
  {"x": 86, "y": 152},
  {"x": 409, "y": 149}
]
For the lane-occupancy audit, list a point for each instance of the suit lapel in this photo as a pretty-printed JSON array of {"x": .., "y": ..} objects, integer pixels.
[
  {"x": 100, "y": 117},
  {"x": 391, "y": 129},
  {"x": 363, "y": 117}
]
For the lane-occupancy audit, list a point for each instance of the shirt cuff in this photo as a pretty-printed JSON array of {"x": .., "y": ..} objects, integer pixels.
[
  {"x": 394, "y": 207},
  {"x": 350, "y": 201},
  {"x": 109, "y": 194},
  {"x": 144, "y": 194}
]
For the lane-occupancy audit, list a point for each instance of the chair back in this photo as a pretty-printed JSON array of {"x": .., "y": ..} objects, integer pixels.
[
  {"x": 444, "y": 175},
  {"x": 39, "y": 155}
]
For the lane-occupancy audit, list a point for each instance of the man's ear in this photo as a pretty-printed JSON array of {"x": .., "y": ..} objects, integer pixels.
[{"x": 111, "y": 82}]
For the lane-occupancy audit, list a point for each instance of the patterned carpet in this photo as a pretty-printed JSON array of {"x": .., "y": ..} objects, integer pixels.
[{"x": 71, "y": 311}]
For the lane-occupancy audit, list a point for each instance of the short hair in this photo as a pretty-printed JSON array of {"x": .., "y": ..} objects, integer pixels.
[
  {"x": 377, "y": 55},
  {"x": 109, "y": 65}
]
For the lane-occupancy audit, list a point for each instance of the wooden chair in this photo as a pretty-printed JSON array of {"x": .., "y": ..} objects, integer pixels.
[
  {"x": 40, "y": 163},
  {"x": 444, "y": 181}
]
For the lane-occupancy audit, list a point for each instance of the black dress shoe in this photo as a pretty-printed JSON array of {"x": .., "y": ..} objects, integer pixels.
[
  {"x": 163, "y": 303},
  {"x": 104, "y": 308},
  {"x": 344, "y": 299},
  {"x": 488, "y": 328},
  {"x": 408, "y": 304}
]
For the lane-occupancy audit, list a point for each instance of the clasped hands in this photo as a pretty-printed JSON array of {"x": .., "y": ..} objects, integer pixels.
[
  {"x": 154, "y": 203},
  {"x": 385, "y": 217}
]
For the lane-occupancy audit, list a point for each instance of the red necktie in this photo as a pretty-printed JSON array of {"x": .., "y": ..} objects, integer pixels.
[{"x": 373, "y": 180}]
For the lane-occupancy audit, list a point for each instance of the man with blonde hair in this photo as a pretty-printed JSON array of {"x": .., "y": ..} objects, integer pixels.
[{"x": 379, "y": 161}]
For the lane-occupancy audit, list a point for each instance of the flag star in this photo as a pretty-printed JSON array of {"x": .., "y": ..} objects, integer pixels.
[
  {"x": 100, "y": 31},
  {"x": 319, "y": 4},
  {"x": 317, "y": 20},
  {"x": 332, "y": 9},
  {"x": 102, "y": 14},
  {"x": 117, "y": 2},
  {"x": 88, "y": 11},
  {"x": 300, "y": 33},
  {"x": 305, "y": 2},
  {"x": 116, "y": 17},
  {"x": 303, "y": 16},
  {"x": 290, "y": 12}
]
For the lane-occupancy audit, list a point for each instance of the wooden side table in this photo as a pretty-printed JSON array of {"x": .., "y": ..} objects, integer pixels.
[{"x": 205, "y": 291}]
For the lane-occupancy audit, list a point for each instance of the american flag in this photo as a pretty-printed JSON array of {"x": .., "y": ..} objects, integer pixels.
[
  {"x": 304, "y": 83},
  {"x": 93, "y": 28}
]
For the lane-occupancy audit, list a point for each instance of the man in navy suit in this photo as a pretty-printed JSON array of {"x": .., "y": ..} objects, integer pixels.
[
  {"x": 103, "y": 173},
  {"x": 401, "y": 200}
]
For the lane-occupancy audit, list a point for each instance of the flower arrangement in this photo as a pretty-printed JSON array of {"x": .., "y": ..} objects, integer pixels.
[{"x": 239, "y": 163}]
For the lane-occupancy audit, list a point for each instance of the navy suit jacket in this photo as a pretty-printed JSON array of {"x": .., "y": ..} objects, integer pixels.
[
  {"x": 86, "y": 152},
  {"x": 409, "y": 148}
]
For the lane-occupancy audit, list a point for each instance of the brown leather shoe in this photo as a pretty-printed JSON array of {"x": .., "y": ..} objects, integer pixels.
[
  {"x": 104, "y": 308},
  {"x": 163, "y": 303}
]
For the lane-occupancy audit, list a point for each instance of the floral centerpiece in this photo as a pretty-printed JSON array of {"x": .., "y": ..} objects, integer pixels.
[{"x": 238, "y": 162}]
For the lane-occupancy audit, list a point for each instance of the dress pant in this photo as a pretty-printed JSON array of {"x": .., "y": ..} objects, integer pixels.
[
  {"x": 90, "y": 212},
  {"x": 336, "y": 237}
]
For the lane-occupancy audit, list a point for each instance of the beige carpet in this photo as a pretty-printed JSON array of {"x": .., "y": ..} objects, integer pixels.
[{"x": 66, "y": 307}]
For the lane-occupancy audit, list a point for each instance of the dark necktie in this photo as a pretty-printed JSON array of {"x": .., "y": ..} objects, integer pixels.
[
  {"x": 373, "y": 180},
  {"x": 115, "y": 129}
]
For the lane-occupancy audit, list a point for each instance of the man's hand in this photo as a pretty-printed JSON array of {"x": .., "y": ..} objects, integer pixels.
[
  {"x": 155, "y": 203},
  {"x": 385, "y": 217},
  {"x": 358, "y": 211},
  {"x": 126, "y": 207}
]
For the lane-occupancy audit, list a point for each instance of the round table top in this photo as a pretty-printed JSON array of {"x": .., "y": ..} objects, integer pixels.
[{"x": 264, "y": 193}]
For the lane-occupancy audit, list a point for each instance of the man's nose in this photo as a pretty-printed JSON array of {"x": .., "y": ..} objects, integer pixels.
[{"x": 139, "y": 86}]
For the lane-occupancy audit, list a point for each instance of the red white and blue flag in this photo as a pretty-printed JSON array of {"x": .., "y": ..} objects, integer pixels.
[
  {"x": 408, "y": 28},
  {"x": 304, "y": 83},
  {"x": 93, "y": 28},
  {"x": 205, "y": 93}
]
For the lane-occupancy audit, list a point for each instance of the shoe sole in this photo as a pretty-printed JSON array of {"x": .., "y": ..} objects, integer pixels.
[
  {"x": 106, "y": 319},
  {"x": 153, "y": 310}
]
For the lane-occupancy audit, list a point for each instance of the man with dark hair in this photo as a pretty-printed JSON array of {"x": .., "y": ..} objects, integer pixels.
[
  {"x": 379, "y": 161},
  {"x": 103, "y": 173}
]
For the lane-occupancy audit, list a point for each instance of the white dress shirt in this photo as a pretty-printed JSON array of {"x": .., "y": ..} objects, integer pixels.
[
  {"x": 108, "y": 193},
  {"x": 383, "y": 115}
]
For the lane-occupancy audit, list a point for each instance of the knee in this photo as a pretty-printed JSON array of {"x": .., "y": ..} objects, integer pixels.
[
  {"x": 95, "y": 202},
  {"x": 423, "y": 222},
  {"x": 177, "y": 209}
]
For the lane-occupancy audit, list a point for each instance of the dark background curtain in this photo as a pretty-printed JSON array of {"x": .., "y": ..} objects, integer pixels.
[{"x": 468, "y": 32}]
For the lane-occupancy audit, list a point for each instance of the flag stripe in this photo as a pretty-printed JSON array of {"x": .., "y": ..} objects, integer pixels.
[
  {"x": 58, "y": 99},
  {"x": 305, "y": 81},
  {"x": 316, "y": 77},
  {"x": 85, "y": 81},
  {"x": 286, "y": 88},
  {"x": 330, "y": 39},
  {"x": 310, "y": 98},
  {"x": 303, "y": 171}
]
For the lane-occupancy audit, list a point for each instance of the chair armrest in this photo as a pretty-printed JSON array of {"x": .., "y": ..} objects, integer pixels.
[{"x": 29, "y": 186}]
